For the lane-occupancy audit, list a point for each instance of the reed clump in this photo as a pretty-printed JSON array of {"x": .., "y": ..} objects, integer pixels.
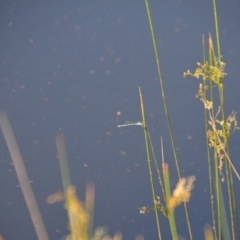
[{"x": 218, "y": 129}]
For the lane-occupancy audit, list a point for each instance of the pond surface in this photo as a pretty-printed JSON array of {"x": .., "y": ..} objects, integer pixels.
[{"x": 75, "y": 67}]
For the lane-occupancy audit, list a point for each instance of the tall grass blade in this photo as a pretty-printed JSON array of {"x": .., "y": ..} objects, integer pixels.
[
  {"x": 165, "y": 106},
  {"x": 231, "y": 194},
  {"x": 89, "y": 205},
  {"x": 211, "y": 186},
  {"x": 149, "y": 162},
  {"x": 79, "y": 217},
  {"x": 156, "y": 166},
  {"x": 168, "y": 196},
  {"x": 23, "y": 177},
  {"x": 63, "y": 162},
  {"x": 216, "y": 28},
  {"x": 224, "y": 227}
]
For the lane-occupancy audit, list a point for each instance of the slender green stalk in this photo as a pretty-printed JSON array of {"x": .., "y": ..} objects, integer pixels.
[
  {"x": 165, "y": 107},
  {"x": 218, "y": 132},
  {"x": 216, "y": 162},
  {"x": 231, "y": 194},
  {"x": 89, "y": 205},
  {"x": 149, "y": 163},
  {"x": 162, "y": 86},
  {"x": 216, "y": 28},
  {"x": 228, "y": 169},
  {"x": 225, "y": 227},
  {"x": 80, "y": 219},
  {"x": 62, "y": 157},
  {"x": 156, "y": 166},
  {"x": 208, "y": 150},
  {"x": 163, "y": 160},
  {"x": 168, "y": 196},
  {"x": 217, "y": 187},
  {"x": 66, "y": 181},
  {"x": 232, "y": 201}
]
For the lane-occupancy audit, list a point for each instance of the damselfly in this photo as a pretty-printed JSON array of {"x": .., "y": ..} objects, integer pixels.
[{"x": 127, "y": 123}]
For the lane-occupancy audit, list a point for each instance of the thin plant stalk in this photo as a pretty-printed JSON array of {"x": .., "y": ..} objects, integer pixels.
[
  {"x": 161, "y": 85},
  {"x": 208, "y": 153},
  {"x": 225, "y": 227},
  {"x": 23, "y": 177},
  {"x": 149, "y": 163},
  {"x": 63, "y": 162},
  {"x": 216, "y": 163},
  {"x": 218, "y": 131},
  {"x": 156, "y": 166},
  {"x": 90, "y": 197},
  {"x": 80, "y": 218},
  {"x": 231, "y": 193},
  {"x": 170, "y": 212},
  {"x": 227, "y": 160},
  {"x": 166, "y": 108},
  {"x": 216, "y": 27},
  {"x": 66, "y": 181},
  {"x": 168, "y": 195}
]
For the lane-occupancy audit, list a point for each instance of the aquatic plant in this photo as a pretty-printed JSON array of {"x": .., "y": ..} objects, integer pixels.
[
  {"x": 218, "y": 130},
  {"x": 221, "y": 169},
  {"x": 220, "y": 166}
]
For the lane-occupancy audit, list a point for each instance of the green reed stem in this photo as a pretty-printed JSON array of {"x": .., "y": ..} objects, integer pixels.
[
  {"x": 230, "y": 185},
  {"x": 216, "y": 170},
  {"x": 149, "y": 163},
  {"x": 156, "y": 165},
  {"x": 219, "y": 200},
  {"x": 168, "y": 195},
  {"x": 165, "y": 107},
  {"x": 221, "y": 96},
  {"x": 216, "y": 28},
  {"x": 231, "y": 192},
  {"x": 208, "y": 150},
  {"x": 162, "y": 86},
  {"x": 225, "y": 227},
  {"x": 62, "y": 157}
]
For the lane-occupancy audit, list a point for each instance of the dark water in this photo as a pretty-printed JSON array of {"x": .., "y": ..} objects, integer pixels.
[{"x": 71, "y": 66}]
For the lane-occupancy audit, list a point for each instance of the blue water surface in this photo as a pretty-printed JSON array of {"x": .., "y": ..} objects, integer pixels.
[{"x": 75, "y": 67}]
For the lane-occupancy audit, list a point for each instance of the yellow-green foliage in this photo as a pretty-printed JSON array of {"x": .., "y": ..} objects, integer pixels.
[
  {"x": 209, "y": 72},
  {"x": 78, "y": 216}
]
